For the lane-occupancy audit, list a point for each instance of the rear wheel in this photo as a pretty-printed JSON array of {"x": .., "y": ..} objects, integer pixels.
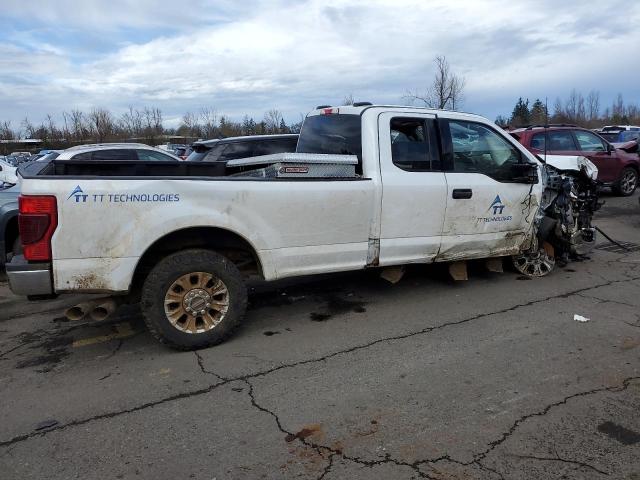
[
  {"x": 193, "y": 299},
  {"x": 628, "y": 182}
]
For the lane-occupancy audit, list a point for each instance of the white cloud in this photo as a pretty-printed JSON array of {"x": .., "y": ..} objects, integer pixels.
[{"x": 293, "y": 56}]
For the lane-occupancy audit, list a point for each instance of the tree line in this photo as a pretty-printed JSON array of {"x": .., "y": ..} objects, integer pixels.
[
  {"x": 146, "y": 124},
  {"x": 585, "y": 111}
]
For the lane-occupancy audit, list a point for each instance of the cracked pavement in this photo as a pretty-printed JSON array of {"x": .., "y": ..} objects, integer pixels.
[{"x": 344, "y": 376}]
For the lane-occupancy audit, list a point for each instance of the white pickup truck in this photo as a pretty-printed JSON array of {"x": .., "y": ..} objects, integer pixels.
[{"x": 369, "y": 186}]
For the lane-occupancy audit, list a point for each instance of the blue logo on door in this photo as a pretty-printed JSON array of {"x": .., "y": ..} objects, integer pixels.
[{"x": 497, "y": 206}]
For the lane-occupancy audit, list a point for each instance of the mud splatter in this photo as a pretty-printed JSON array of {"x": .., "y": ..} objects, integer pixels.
[{"x": 307, "y": 431}]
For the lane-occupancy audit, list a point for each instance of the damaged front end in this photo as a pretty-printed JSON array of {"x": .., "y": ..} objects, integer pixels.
[{"x": 563, "y": 221}]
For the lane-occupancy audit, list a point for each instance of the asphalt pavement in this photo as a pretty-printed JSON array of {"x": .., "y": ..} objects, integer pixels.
[{"x": 345, "y": 377}]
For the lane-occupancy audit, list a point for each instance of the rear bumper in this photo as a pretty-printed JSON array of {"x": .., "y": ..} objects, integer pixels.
[{"x": 29, "y": 278}]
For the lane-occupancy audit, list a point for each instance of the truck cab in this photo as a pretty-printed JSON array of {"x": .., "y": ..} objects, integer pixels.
[{"x": 450, "y": 185}]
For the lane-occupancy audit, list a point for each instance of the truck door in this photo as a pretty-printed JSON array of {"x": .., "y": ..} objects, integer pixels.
[
  {"x": 490, "y": 204},
  {"x": 413, "y": 188}
]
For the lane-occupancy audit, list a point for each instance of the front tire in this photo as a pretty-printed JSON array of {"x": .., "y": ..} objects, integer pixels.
[
  {"x": 193, "y": 299},
  {"x": 627, "y": 183}
]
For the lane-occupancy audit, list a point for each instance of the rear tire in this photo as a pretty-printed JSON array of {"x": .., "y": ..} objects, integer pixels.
[
  {"x": 627, "y": 183},
  {"x": 193, "y": 299}
]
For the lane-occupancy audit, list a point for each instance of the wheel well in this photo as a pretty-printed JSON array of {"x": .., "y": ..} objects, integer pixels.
[
  {"x": 229, "y": 244},
  {"x": 10, "y": 234}
]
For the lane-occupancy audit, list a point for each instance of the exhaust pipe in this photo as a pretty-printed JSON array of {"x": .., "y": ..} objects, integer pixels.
[
  {"x": 103, "y": 310},
  {"x": 97, "y": 310},
  {"x": 78, "y": 312}
]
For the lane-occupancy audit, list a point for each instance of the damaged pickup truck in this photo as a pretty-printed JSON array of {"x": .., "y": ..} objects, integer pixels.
[{"x": 368, "y": 186}]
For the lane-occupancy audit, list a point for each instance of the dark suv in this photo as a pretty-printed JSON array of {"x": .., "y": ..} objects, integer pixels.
[
  {"x": 616, "y": 167},
  {"x": 226, "y": 149}
]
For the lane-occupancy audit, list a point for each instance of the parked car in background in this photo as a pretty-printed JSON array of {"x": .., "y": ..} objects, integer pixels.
[
  {"x": 102, "y": 153},
  {"x": 620, "y": 133},
  {"x": 225, "y": 149},
  {"x": 105, "y": 152},
  {"x": 7, "y": 173},
  {"x": 617, "y": 168},
  {"x": 183, "y": 151}
]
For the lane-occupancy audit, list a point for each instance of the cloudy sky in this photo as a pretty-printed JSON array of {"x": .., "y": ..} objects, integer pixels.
[{"x": 252, "y": 56}]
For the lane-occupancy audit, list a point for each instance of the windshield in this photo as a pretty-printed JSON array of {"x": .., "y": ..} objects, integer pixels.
[
  {"x": 331, "y": 134},
  {"x": 629, "y": 135}
]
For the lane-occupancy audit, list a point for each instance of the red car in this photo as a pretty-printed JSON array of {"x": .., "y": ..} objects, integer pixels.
[{"x": 617, "y": 168}]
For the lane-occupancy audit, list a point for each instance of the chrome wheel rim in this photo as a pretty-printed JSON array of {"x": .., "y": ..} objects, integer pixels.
[
  {"x": 628, "y": 181},
  {"x": 536, "y": 263},
  {"x": 196, "y": 302}
]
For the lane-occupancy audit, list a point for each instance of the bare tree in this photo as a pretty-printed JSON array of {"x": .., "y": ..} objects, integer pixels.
[
  {"x": 593, "y": 105},
  {"x": 190, "y": 126},
  {"x": 6, "y": 132},
  {"x": 209, "y": 119},
  {"x": 131, "y": 122},
  {"x": 347, "y": 100},
  {"x": 152, "y": 123},
  {"x": 101, "y": 124},
  {"x": 76, "y": 124},
  {"x": 446, "y": 91},
  {"x": 272, "y": 120},
  {"x": 28, "y": 128}
]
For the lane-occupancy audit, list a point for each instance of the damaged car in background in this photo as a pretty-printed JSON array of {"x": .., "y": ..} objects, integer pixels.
[{"x": 367, "y": 187}]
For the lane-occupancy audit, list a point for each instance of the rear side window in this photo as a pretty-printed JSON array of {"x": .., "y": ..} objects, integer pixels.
[
  {"x": 413, "y": 144},
  {"x": 271, "y": 146},
  {"x": 331, "y": 134},
  {"x": 150, "y": 155},
  {"x": 558, "y": 140},
  {"x": 111, "y": 155},
  {"x": 236, "y": 150},
  {"x": 479, "y": 149},
  {"x": 589, "y": 142}
]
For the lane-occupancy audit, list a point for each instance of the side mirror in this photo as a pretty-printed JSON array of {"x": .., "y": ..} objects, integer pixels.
[
  {"x": 610, "y": 148},
  {"x": 525, "y": 173}
]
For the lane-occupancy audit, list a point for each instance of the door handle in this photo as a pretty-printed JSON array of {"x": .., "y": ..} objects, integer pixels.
[{"x": 460, "y": 193}]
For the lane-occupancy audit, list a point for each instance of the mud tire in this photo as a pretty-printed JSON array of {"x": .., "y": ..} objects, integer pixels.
[{"x": 172, "y": 267}]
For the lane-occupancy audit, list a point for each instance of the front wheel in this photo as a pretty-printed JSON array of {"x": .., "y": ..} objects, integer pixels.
[
  {"x": 536, "y": 262},
  {"x": 628, "y": 182},
  {"x": 193, "y": 299}
]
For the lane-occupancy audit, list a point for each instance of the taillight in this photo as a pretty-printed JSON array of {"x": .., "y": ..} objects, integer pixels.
[{"x": 38, "y": 220}]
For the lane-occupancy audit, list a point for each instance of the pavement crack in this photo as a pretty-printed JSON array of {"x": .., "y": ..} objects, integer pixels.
[
  {"x": 327, "y": 469},
  {"x": 326, "y": 452},
  {"x": 558, "y": 458},
  {"x": 324, "y": 358},
  {"x": 77, "y": 423},
  {"x": 505, "y": 436},
  {"x": 200, "y": 361}
]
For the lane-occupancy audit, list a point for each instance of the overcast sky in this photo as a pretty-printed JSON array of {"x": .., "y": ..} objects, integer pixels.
[{"x": 252, "y": 56}]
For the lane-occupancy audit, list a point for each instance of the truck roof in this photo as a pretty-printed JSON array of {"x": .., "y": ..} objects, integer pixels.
[{"x": 360, "y": 109}]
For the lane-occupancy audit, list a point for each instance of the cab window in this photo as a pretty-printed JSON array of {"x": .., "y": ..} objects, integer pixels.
[
  {"x": 590, "y": 142},
  {"x": 479, "y": 149},
  {"x": 413, "y": 144}
]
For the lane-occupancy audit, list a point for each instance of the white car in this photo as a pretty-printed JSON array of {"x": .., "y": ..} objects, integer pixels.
[
  {"x": 7, "y": 173},
  {"x": 369, "y": 186}
]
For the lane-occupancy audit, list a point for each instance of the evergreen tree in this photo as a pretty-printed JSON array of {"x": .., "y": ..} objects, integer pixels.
[
  {"x": 521, "y": 115},
  {"x": 283, "y": 127},
  {"x": 538, "y": 113}
]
